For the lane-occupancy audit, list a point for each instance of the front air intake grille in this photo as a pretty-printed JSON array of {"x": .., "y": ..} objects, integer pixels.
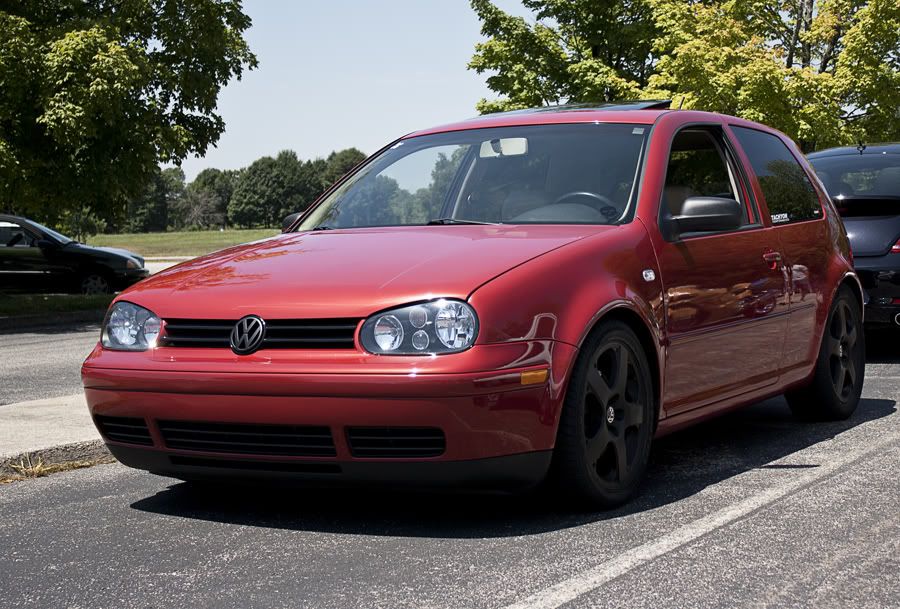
[
  {"x": 396, "y": 442},
  {"x": 127, "y": 430},
  {"x": 257, "y": 466},
  {"x": 280, "y": 333},
  {"x": 248, "y": 439}
]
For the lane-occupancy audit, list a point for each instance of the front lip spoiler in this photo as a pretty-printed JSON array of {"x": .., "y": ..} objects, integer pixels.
[{"x": 520, "y": 470}]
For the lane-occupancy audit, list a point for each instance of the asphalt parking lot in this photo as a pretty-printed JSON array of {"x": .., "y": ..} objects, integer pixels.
[{"x": 752, "y": 510}]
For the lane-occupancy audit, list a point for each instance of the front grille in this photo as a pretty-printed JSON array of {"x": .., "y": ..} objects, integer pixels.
[
  {"x": 248, "y": 439},
  {"x": 128, "y": 430},
  {"x": 257, "y": 466},
  {"x": 280, "y": 333},
  {"x": 396, "y": 442}
]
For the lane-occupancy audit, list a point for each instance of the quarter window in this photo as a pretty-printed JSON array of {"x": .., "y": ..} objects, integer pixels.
[{"x": 789, "y": 194}]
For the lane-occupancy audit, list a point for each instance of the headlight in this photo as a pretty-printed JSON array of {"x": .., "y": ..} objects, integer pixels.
[
  {"x": 129, "y": 327},
  {"x": 439, "y": 326},
  {"x": 131, "y": 263}
]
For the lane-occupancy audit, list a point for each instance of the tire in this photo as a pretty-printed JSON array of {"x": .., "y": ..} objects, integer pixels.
[
  {"x": 833, "y": 392},
  {"x": 94, "y": 283},
  {"x": 606, "y": 427}
]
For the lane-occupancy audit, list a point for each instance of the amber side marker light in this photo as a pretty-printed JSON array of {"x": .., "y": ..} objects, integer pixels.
[{"x": 535, "y": 377}]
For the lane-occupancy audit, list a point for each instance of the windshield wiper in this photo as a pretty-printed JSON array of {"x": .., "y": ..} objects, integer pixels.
[
  {"x": 322, "y": 227},
  {"x": 437, "y": 221}
]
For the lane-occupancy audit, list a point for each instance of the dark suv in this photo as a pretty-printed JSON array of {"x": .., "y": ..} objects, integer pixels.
[{"x": 36, "y": 258}]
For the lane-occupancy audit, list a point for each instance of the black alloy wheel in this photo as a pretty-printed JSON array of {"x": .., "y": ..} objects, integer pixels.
[
  {"x": 832, "y": 392},
  {"x": 607, "y": 422}
]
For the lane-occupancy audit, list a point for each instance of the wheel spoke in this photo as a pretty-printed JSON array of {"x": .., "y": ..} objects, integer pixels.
[
  {"x": 621, "y": 458},
  {"x": 834, "y": 346},
  {"x": 596, "y": 447},
  {"x": 851, "y": 372},
  {"x": 597, "y": 385},
  {"x": 842, "y": 320}
]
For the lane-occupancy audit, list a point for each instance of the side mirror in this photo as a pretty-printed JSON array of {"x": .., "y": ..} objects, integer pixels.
[
  {"x": 708, "y": 214},
  {"x": 289, "y": 221}
]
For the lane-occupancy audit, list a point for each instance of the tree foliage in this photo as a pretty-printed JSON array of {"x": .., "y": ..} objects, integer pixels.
[
  {"x": 826, "y": 72},
  {"x": 94, "y": 94}
]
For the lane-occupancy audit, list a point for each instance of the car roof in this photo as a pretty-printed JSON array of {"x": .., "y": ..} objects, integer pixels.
[
  {"x": 888, "y": 148},
  {"x": 643, "y": 112}
]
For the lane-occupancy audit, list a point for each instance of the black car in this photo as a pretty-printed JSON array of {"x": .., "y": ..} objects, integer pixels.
[
  {"x": 864, "y": 182},
  {"x": 36, "y": 258}
]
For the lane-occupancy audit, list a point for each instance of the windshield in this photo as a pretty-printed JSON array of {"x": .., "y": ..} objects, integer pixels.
[
  {"x": 52, "y": 233},
  {"x": 547, "y": 174}
]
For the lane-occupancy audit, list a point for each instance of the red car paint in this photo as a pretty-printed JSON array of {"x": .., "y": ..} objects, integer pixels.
[{"x": 728, "y": 320}]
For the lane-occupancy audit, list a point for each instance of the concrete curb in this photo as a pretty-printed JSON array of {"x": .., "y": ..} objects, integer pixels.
[
  {"x": 23, "y": 323},
  {"x": 66, "y": 453}
]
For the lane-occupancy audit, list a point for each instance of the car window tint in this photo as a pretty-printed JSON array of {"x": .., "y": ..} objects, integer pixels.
[
  {"x": 870, "y": 175},
  {"x": 12, "y": 235},
  {"x": 696, "y": 167},
  {"x": 789, "y": 193}
]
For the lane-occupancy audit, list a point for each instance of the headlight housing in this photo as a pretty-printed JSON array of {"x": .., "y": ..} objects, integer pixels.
[
  {"x": 128, "y": 327},
  {"x": 434, "y": 327}
]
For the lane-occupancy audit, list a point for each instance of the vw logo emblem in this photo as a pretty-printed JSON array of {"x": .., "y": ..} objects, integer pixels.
[{"x": 248, "y": 334}]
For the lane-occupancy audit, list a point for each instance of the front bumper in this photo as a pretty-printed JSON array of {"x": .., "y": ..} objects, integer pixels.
[
  {"x": 496, "y": 431},
  {"x": 129, "y": 277}
]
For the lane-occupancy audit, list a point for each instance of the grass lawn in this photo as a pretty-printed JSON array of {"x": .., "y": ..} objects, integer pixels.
[
  {"x": 188, "y": 243},
  {"x": 25, "y": 304}
]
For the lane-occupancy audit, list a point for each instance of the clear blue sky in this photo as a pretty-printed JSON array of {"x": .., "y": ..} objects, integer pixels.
[{"x": 339, "y": 73}]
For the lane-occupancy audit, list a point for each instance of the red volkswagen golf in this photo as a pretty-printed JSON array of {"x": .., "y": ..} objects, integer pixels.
[{"x": 492, "y": 302}]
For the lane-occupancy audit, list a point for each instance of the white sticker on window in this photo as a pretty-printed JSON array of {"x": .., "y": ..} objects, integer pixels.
[
  {"x": 637, "y": 131},
  {"x": 780, "y": 218}
]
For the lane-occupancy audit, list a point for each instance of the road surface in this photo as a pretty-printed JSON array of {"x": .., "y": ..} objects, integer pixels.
[{"x": 751, "y": 510}]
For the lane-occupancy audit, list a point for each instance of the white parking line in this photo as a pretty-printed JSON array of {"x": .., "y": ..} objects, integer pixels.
[{"x": 586, "y": 581}]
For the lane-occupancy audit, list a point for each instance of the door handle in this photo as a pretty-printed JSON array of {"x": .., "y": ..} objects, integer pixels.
[{"x": 772, "y": 259}]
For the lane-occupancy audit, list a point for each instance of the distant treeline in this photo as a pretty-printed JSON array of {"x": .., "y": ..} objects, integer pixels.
[{"x": 256, "y": 196}]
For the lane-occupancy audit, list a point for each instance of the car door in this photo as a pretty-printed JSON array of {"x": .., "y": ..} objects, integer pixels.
[
  {"x": 725, "y": 305},
  {"x": 798, "y": 220}
]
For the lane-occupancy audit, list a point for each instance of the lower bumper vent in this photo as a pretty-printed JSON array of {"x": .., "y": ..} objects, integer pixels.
[
  {"x": 127, "y": 430},
  {"x": 396, "y": 442},
  {"x": 248, "y": 439}
]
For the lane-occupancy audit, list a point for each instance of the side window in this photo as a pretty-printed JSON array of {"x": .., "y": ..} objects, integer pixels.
[
  {"x": 789, "y": 193},
  {"x": 698, "y": 167},
  {"x": 12, "y": 235}
]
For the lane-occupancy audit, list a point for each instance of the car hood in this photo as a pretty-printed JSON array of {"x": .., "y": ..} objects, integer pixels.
[
  {"x": 346, "y": 273},
  {"x": 91, "y": 249}
]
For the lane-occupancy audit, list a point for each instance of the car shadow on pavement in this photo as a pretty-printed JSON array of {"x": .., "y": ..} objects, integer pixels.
[
  {"x": 883, "y": 347},
  {"x": 681, "y": 465}
]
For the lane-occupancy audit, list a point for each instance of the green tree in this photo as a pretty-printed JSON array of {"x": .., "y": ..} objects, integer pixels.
[
  {"x": 158, "y": 205},
  {"x": 340, "y": 162},
  {"x": 257, "y": 194},
  {"x": 94, "y": 94},
  {"x": 826, "y": 72},
  {"x": 214, "y": 187}
]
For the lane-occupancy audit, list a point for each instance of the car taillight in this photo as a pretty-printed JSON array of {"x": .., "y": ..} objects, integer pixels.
[{"x": 896, "y": 248}]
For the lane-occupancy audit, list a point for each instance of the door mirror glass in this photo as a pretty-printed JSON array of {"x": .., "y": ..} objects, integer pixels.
[
  {"x": 289, "y": 221},
  {"x": 708, "y": 214}
]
